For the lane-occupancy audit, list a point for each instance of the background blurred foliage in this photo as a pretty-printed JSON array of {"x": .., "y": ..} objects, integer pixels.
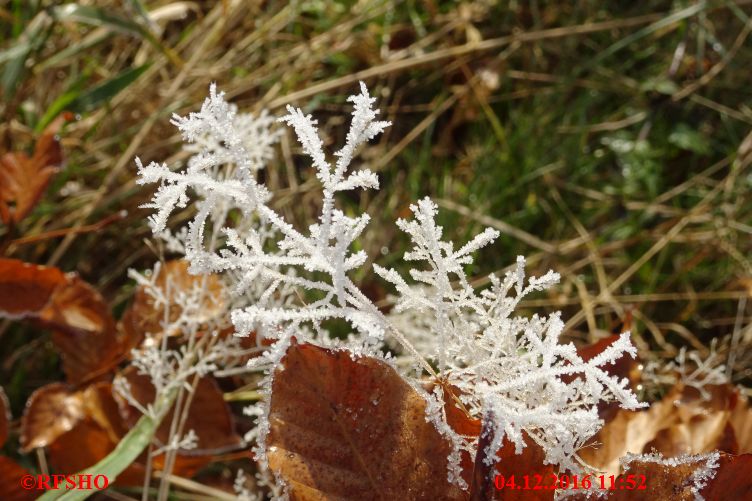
[{"x": 609, "y": 141}]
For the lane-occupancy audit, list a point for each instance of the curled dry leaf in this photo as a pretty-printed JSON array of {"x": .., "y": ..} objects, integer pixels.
[
  {"x": 147, "y": 316},
  {"x": 349, "y": 427},
  {"x": 55, "y": 409},
  {"x": 50, "y": 411},
  {"x": 209, "y": 417},
  {"x": 24, "y": 179},
  {"x": 681, "y": 423},
  {"x": 730, "y": 480},
  {"x": 78, "y": 428},
  {"x": 83, "y": 328}
]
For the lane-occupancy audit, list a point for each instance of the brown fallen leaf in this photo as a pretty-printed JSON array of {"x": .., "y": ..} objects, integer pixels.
[
  {"x": 24, "y": 179},
  {"x": 56, "y": 409},
  {"x": 78, "y": 427},
  {"x": 50, "y": 411},
  {"x": 145, "y": 317},
  {"x": 83, "y": 328},
  {"x": 25, "y": 289},
  {"x": 508, "y": 464},
  {"x": 209, "y": 417},
  {"x": 681, "y": 423},
  {"x": 741, "y": 422},
  {"x": 731, "y": 480},
  {"x": 349, "y": 427},
  {"x": 10, "y": 481}
]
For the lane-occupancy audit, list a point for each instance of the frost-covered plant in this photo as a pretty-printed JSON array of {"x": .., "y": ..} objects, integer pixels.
[
  {"x": 191, "y": 339},
  {"x": 690, "y": 368},
  {"x": 509, "y": 367},
  {"x": 513, "y": 367}
]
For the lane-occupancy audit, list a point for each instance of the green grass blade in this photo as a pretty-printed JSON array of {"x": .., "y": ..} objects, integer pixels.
[
  {"x": 80, "y": 102},
  {"x": 96, "y": 16},
  {"x": 15, "y": 57},
  {"x": 127, "y": 450},
  {"x": 677, "y": 16},
  {"x": 91, "y": 40},
  {"x": 103, "y": 92}
]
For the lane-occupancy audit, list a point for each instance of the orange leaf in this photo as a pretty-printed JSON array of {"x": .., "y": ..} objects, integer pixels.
[
  {"x": 10, "y": 481},
  {"x": 50, "y": 411},
  {"x": 343, "y": 426},
  {"x": 143, "y": 317},
  {"x": 84, "y": 330},
  {"x": 24, "y": 179},
  {"x": 731, "y": 480},
  {"x": 209, "y": 417},
  {"x": 79, "y": 428},
  {"x": 508, "y": 463},
  {"x": 681, "y": 423}
]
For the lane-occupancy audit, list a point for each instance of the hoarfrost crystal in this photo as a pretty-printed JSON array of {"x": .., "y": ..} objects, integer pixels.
[{"x": 509, "y": 367}]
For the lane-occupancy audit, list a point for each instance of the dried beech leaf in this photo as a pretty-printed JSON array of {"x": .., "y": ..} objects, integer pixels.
[
  {"x": 24, "y": 179},
  {"x": 5, "y": 417},
  {"x": 50, "y": 411},
  {"x": 347, "y": 427},
  {"x": 508, "y": 462},
  {"x": 79, "y": 428},
  {"x": 209, "y": 415},
  {"x": 731, "y": 481},
  {"x": 56, "y": 409},
  {"x": 85, "y": 445},
  {"x": 10, "y": 481},
  {"x": 84, "y": 330},
  {"x": 681, "y": 423},
  {"x": 145, "y": 317},
  {"x": 25, "y": 289},
  {"x": 741, "y": 422}
]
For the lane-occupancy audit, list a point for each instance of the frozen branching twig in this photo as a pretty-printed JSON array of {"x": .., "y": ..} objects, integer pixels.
[
  {"x": 689, "y": 368},
  {"x": 699, "y": 373},
  {"x": 511, "y": 367}
]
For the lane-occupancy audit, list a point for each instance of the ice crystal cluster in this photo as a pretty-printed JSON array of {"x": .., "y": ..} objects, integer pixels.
[{"x": 510, "y": 367}]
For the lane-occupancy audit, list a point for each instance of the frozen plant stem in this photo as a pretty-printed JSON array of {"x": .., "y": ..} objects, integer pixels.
[{"x": 495, "y": 364}]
